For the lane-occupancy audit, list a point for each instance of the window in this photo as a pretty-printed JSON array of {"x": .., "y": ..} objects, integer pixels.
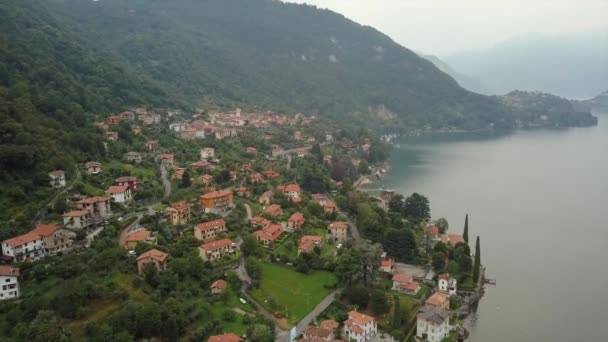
[{"x": 7, "y": 280}]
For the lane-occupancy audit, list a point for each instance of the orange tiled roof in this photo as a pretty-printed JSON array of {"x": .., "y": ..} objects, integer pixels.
[
  {"x": 138, "y": 235},
  {"x": 437, "y": 299},
  {"x": 117, "y": 189},
  {"x": 8, "y": 271},
  {"x": 76, "y": 213},
  {"x": 213, "y": 245},
  {"x": 154, "y": 254},
  {"x": 210, "y": 224},
  {"x": 216, "y": 194},
  {"x": 91, "y": 200},
  {"x": 225, "y": 338},
  {"x": 338, "y": 225},
  {"x": 45, "y": 229},
  {"x": 22, "y": 239},
  {"x": 402, "y": 278},
  {"x": 219, "y": 284}
]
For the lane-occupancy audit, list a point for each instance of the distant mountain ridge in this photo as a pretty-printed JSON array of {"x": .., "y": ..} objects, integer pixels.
[
  {"x": 467, "y": 82},
  {"x": 570, "y": 65}
]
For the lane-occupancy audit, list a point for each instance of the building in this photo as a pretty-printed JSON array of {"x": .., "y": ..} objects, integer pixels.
[
  {"x": 296, "y": 221},
  {"x": 167, "y": 159},
  {"x": 297, "y": 135},
  {"x": 98, "y": 206},
  {"x": 387, "y": 266},
  {"x": 259, "y": 221},
  {"x": 266, "y": 197},
  {"x": 113, "y": 120},
  {"x": 269, "y": 234},
  {"x": 218, "y": 287},
  {"x": 128, "y": 181},
  {"x": 225, "y": 338},
  {"x": 439, "y": 299},
  {"x": 154, "y": 257},
  {"x": 112, "y": 136},
  {"x": 274, "y": 210},
  {"x": 359, "y": 327},
  {"x": 446, "y": 283},
  {"x": 405, "y": 283},
  {"x": 9, "y": 280},
  {"x": 318, "y": 334},
  {"x": 152, "y": 145},
  {"x": 202, "y": 165},
  {"x": 133, "y": 157},
  {"x": 120, "y": 193},
  {"x": 92, "y": 167},
  {"x": 29, "y": 246},
  {"x": 54, "y": 238},
  {"x": 178, "y": 213},
  {"x": 255, "y": 178},
  {"x": 271, "y": 174},
  {"x": 307, "y": 243},
  {"x": 209, "y": 230},
  {"x": 77, "y": 219},
  {"x": 136, "y": 130},
  {"x": 291, "y": 191},
  {"x": 338, "y": 231},
  {"x": 57, "y": 178},
  {"x": 207, "y": 153},
  {"x": 320, "y": 199},
  {"x": 452, "y": 239},
  {"x": 432, "y": 324},
  {"x": 432, "y": 233},
  {"x": 242, "y": 191},
  {"x": 217, "y": 202},
  {"x": 327, "y": 159},
  {"x": 136, "y": 236},
  {"x": 330, "y": 324},
  {"x": 329, "y": 207},
  {"x": 215, "y": 250}
]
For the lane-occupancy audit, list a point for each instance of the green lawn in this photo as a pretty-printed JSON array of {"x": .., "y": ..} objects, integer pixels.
[
  {"x": 143, "y": 173},
  {"x": 291, "y": 293}
]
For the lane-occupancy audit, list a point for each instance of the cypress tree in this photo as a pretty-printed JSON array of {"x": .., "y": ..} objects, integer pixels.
[
  {"x": 477, "y": 263},
  {"x": 397, "y": 314},
  {"x": 465, "y": 234}
]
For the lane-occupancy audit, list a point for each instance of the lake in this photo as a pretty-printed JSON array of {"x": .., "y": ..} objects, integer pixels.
[{"x": 539, "y": 202}]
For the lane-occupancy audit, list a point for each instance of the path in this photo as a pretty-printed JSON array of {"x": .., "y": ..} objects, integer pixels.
[
  {"x": 164, "y": 177},
  {"x": 41, "y": 214},
  {"x": 248, "y": 209},
  {"x": 306, "y": 321}
]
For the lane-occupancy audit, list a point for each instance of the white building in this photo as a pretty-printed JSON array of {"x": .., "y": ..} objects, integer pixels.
[
  {"x": 120, "y": 193},
  {"x": 9, "y": 282},
  {"x": 29, "y": 246},
  {"x": 57, "y": 178},
  {"x": 77, "y": 219},
  {"x": 360, "y": 327},
  {"x": 447, "y": 284},
  {"x": 432, "y": 324},
  {"x": 207, "y": 153}
]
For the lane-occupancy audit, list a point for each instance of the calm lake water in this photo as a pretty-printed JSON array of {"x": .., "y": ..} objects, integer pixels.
[{"x": 539, "y": 202}]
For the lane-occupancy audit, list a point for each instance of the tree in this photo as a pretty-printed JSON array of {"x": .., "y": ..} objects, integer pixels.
[
  {"x": 401, "y": 244},
  {"x": 186, "y": 180},
  {"x": 465, "y": 234},
  {"x": 378, "y": 302},
  {"x": 438, "y": 261},
  {"x": 477, "y": 263},
  {"x": 442, "y": 224},
  {"x": 397, "y": 318},
  {"x": 416, "y": 208},
  {"x": 396, "y": 204},
  {"x": 357, "y": 295},
  {"x": 250, "y": 246},
  {"x": 260, "y": 333},
  {"x": 253, "y": 267}
]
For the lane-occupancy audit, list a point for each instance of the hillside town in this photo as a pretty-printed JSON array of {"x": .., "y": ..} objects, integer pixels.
[{"x": 272, "y": 207}]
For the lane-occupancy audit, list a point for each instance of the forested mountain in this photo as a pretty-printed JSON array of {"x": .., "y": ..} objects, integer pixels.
[
  {"x": 51, "y": 82},
  {"x": 278, "y": 56}
]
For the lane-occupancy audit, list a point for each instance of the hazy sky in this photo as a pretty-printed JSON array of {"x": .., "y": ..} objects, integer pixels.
[{"x": 443, "y": 27}]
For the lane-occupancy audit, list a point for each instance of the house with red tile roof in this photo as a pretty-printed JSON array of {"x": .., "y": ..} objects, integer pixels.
[
  {"x": 330, "y": 324},
  {"x": 113, "y": 120},
  {"x": 439, "y": 299},
  {"x": 120, "y": 193},
  {"x": 246, "y": 167},
  {"x": 274, "y": 210},
  {"x": 452, "y": 239},
  {"x": 266, "y": 197},
  {"x": 217, "y": 202},
  {"x": 136, "y": 236},
  {"x": 269, "y": 234},
  {"x": 154, "y": 257},
  {"x": 291, "y": 191},
  {"x": 29, "y": 246},
  {"x": 54, "y": 238},
  {"x": 57, "y": 178},
  {"x": 318, "y": 334},
  {"x": 271, "y": 174},
  {"x": 447, "y": 283},
  {"x": 98, "y": 206},
  {"x": 9, "y": 278},
  {"x": 167, "y": 159},
  {"x": 319, "y": 198},
  {"x": 128, "y": 181},
  {"x": 112, "y": 136},
  {"x": 92, "y": 167},
  {"x": 215, "y": 250},
  {"x": 308, "y": 242},
  {"x": 387, "y": 266},
  {"x": 152, "y": 145},
  {"x": 252, "y": 150},
  {"x": 297, "y": 135},
  {"x": 242, "y": 191},
  {"x": 405, "y": 283},
  {"x": 202, "y": 165},
  {"x": 225, "y": 338},
  {"x": 178, "y": 213},
  {"x": 338, "y": 231},
  {"x": 296, "y": 221},
  {"x": 259, "y": 221},
  {"x": 218, "y": 287},
  {"x": 77, "y": 219},
  {"x": 360, "y": 327},
  {"x": 329, "y": 207},
  {"x": 210, "y": 230},
  {"x": 255, "y": 178}
]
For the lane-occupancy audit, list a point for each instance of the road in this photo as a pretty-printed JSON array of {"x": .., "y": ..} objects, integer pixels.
[
  {"x": 248, "y": 209},
  {"x": 306, "y": 321}
]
